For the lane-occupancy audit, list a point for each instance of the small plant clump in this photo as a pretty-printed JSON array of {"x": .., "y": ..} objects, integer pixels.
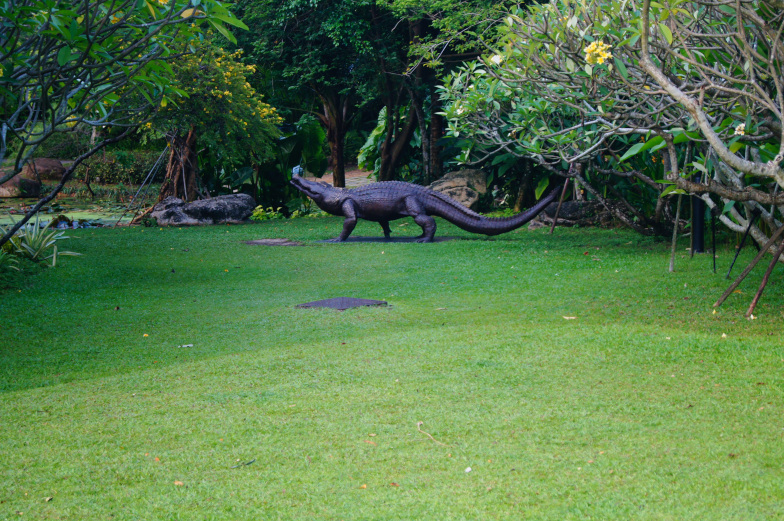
[
  {"x": 265, "y": 214},
  {"x": 269, "y": 213},
  {"x": 307, "y": 213},
  {"x": 33, "y": 242}
]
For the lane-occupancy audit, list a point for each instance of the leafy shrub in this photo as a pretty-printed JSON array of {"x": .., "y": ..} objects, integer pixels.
[
  {"x": 8, "y": 261},
  {"x": 66, "y": 145},
  {"x": 301, "y": 213},
  {"x": 12, "y": 272},
  {"x": 34, "y": 242},
  {"x": 354, "y": 141},
  {"x": 120, "y": 166},
  {"x": 369, "y": 156},
  {"x": 506, "y": 212},
  {"x": 265, "y": 214}
]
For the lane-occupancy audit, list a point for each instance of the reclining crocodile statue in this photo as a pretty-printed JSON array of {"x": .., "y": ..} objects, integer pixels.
[{"x": 389, "y": 200}]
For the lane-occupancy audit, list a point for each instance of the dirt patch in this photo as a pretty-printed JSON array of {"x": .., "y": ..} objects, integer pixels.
[{"x": 354, "y": 178}]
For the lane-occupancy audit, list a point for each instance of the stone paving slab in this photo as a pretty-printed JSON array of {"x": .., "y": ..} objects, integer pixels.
[{"x": 342, "y": 303}]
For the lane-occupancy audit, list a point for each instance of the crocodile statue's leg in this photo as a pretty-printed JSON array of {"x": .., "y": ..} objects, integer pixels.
[
  {"x": 427, "y": 223},
  {"x": 385, "y": 227},
  {"x": 349, "y": 223}
]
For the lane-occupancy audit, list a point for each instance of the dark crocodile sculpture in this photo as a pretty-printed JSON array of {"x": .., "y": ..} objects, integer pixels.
[{"x": 386, "y": 201}]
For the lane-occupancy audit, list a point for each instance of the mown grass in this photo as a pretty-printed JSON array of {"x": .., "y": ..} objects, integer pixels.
[{"x": 637, "y": 408}]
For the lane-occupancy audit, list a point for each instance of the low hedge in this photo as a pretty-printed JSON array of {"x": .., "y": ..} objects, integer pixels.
[{"x": 120, "y": 166}]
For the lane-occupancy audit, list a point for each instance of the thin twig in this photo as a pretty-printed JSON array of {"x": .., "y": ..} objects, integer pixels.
[
  {"x": 765, "y": 278},
  {"x": 558, "y": 209},
  {"x": 419, "y": 424},
  {"x": 753, "y": 216}
]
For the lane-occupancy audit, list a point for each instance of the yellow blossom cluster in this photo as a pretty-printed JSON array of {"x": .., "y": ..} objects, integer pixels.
[
  {"x": 222, "y": 96},
  {"x": 597, "y": 52}
]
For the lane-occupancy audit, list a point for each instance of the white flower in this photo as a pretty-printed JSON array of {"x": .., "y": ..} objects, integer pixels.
[
  {"x": 740, "y": 130},
  {"x": 497, "y": 59},
  {"x": 468, "y": 469}
]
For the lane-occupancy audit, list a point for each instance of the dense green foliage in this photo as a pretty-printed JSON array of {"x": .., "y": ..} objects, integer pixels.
[
  {"x": 635, "y": 97},
  {"x": 36, "y": 242},
  {"x": 98, "y": 63},
  {"x": 101, "y": 64},
  {"x": 637, "y": 408},
  {"x": 344, "y": 61},
  {"x": 234, "y": 126},
  {"x": 129, "y": 167}
]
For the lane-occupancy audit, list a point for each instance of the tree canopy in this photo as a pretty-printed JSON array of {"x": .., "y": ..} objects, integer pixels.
[{"x": 604, "y": 83}]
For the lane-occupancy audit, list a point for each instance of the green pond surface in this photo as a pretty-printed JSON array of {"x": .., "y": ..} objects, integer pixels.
[{"x": 97, "y": 212}]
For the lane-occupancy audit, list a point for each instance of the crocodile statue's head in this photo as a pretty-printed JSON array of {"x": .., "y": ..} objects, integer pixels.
[{"x": 326, "y": 197}]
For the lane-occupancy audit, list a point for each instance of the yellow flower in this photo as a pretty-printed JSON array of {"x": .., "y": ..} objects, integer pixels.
[{"x": 597, "y": 52}]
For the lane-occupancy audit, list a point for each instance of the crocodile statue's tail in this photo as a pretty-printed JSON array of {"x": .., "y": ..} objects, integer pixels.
[{"x": 471, "y": 221}]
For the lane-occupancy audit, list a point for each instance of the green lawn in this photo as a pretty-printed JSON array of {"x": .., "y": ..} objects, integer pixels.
[{"x": 637, "y": 408}]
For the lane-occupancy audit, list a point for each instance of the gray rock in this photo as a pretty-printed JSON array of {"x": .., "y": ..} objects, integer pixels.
[
  {"x": 464, "y": 186},
  {"x": 47, "y": 169},
  {"x": 21, "y": 186},
  {"x": 233, "y": 208}
]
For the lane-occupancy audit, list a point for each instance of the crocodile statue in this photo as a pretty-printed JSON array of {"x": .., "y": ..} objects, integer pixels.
[{"x": 389, "y": 200}]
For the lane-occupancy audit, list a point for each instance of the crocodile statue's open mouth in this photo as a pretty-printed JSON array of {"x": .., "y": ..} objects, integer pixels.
[{"x": 304, "y": 186}]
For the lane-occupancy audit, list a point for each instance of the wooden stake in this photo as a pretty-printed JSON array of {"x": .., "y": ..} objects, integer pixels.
[
  {"x": 764, "y": 282},
  {"x": 754, "y": 216},
  {"x": 750, "y": 267},
  {"x": 558, "y": 209}
]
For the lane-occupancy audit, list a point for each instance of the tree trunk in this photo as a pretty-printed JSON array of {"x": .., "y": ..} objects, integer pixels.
[
  {"x": 339, "y": 170},
  {"x": 425, "y": 135},
  {"x": 525, "y": 185},
  {"x": 180, "y": 180},
  {"x": 436, "y": 131},
  {"x": 395, "y": 142},
  {"x": 335, "y": 120}
]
